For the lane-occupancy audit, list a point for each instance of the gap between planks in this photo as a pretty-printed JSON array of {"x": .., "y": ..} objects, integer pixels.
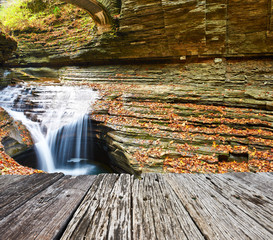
[{"x": 157, "y": 206}]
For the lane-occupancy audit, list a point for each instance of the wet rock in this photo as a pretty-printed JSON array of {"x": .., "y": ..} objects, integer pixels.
[
  {"x": 169, "y": 117},
  {"x": 14, "y": 141},
  {"x": 12, "y": 146},
  {"x": 14, "y": 137},
  {"x": 191, "y": 117},
  {"x": 6, "y": 77}
]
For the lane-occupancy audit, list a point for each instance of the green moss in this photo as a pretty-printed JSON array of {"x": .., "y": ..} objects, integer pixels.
[
  {"x": 36, "y": 14},
  {"x": 13, "y": 15},
  {"x": 19, "y": 15}
]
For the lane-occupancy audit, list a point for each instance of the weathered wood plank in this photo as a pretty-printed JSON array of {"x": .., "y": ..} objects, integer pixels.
[
  {"x": 105, "y": 211},
  {"x": 184, "y": 206},
  {"x": 120, "y": 209},
  {"x": 247, "y": 198},
  {"x": 262, "y": 182},
  {"x": 6, "y": 180},
  {"x": 46, "y": 215},
  {"x": 215, "y": 215},
  {"x": 18, "y": 192},
  {"x": 143, "y": 220},
  {"x": 83, "y": 216},
  {"x": 158, "y": 212}
]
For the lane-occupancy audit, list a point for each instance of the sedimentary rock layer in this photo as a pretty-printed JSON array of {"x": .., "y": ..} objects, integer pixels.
[
  {"x": 160, "y": 29},
  {"x": 210, "y": 116}
]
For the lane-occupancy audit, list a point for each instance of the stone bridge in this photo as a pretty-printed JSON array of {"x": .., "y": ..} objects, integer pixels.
[{"x": 101, "y": 11}]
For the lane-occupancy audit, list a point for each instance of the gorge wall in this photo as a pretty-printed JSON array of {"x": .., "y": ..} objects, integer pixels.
[
  {"x": 198, "y": 27},
  {"x": 210, "y": 115},
  {"x": 177, "y": 28},
  {"x": 164, "y": 29}
]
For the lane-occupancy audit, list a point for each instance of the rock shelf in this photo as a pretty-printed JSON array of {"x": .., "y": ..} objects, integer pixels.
[{"x": 196, "y": 117}]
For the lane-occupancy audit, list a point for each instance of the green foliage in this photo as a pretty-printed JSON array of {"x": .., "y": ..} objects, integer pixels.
[
  {"x": 20, "y": 15},
  {"x": 24, "y": 15},
  {"x": 57, "y": 12},
  {"x": 30, "y": 14},
  {"x": 51, "y": 24},
  {"x": 15, "y": 15}
]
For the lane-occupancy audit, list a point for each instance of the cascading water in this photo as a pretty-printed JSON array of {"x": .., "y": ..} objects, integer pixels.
[{"x": 57, "y": 119}]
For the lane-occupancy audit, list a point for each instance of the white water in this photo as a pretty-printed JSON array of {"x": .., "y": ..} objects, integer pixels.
[{"x": 60, "y": 125}]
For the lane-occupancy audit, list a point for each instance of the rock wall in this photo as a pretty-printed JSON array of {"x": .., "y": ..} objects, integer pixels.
[
  {"x": 7, "y": 46},
  {"x": 161, "y": 29},
  {"x": 157, "y": 29},
  {"x": 179, "y": 28},
  {"x": 208, "y": 116}
]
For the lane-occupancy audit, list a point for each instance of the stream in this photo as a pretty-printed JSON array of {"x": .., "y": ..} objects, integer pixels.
[{"x": 57, "y": 118}]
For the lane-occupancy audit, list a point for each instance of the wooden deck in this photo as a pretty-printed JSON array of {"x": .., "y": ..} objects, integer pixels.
[{"x": 158, "y": 206}]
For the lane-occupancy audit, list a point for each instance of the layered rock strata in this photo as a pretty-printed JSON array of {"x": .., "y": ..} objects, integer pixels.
[
  {"x": 210, "y": 116},
  {"x": 160, "y": 29}
]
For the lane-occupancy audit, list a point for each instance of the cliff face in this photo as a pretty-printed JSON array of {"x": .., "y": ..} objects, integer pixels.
[
  {"x": 7, "y": 46},
  {"x": 207, "y": 116},
  {"x": 156, "y": 29},
  {"x": 163, "y": 28},
  {"x": 201, "y": 117}
]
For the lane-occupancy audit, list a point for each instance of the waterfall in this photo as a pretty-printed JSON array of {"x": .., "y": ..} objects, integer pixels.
[
  {"x": 70, "y": 146},
  {"x": 57, "y": 119}
]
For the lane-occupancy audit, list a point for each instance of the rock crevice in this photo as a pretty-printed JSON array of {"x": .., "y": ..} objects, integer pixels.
[{"x": 7, "y": 46}]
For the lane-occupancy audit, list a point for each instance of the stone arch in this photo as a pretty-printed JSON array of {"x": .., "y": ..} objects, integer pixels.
[
  {"x": 101, "y": 11},
  {"x": 113, "y": 6}
]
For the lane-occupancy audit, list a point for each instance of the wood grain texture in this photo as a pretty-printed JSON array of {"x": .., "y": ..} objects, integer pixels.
[
  {"x": 262, "y": 182},
  {"x": 46, "y": 215},
  {"x": 105, "y": 211},
  {"x": 156, "y": 206},
  {"x": 120, "y": 207},
  {"x": 248, "y": 199},
  {"x": 6, "y": 180},
  {"x": 216, "y": 216},
  {"x": 158, "y": 213},
  {"x": 19, "y": 192}
]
